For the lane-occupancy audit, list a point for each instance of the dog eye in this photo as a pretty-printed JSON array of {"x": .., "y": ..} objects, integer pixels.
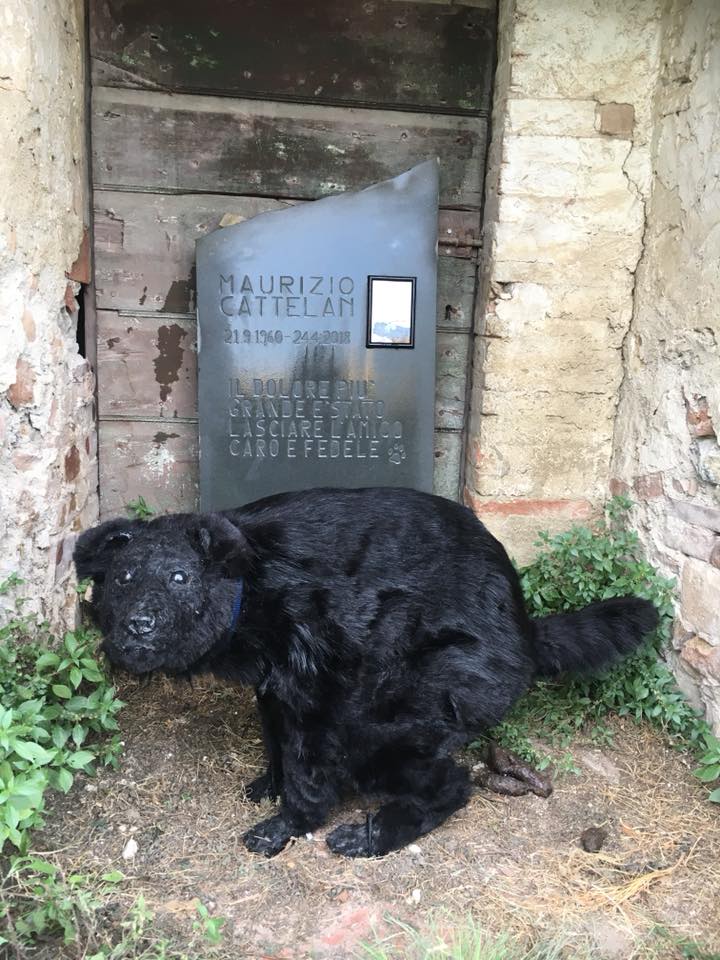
[
  {"x": 179, "y": 576},
  {"x": 124, "y": 577}
]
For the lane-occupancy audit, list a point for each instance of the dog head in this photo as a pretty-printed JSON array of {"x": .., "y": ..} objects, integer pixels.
[{"x": 164, "y": 592}]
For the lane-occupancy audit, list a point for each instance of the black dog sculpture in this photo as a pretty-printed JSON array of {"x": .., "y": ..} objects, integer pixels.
[{"x": 381, "y": 629}]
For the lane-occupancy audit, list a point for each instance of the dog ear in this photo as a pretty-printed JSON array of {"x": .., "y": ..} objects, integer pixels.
[
  {"x": 220, "y": 542},
  {"x": 96, "y": 547}
]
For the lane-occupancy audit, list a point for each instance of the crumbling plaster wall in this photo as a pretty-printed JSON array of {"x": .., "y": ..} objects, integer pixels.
[
  {"x": 666, "y": 441},
  {"x": 597, "y": 363},
  {"x": 568, "y": 180},
  {"x": 47, "y": 466}
]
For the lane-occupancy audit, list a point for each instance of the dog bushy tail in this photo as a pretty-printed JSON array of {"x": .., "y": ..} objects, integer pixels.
[{"x": 584, "y": 640}]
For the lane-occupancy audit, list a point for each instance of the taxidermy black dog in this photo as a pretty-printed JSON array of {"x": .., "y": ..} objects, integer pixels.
[{"x": 381, "y": 629}]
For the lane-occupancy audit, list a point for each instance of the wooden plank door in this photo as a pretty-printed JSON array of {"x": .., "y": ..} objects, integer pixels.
[{"x": 205, "y": 114}]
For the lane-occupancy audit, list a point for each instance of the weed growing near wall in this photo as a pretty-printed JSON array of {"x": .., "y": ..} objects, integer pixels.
[
  {"x": 57, "y": 717},
  {"x": 139, "y": 509},
  {"x": 573, "y": 569}
]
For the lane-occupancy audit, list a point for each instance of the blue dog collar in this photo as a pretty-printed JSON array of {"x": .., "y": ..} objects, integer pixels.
[{"x": 237, "y": 604}]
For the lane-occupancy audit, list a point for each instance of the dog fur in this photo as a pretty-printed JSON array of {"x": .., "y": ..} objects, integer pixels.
[{"x": 381, "y": 629}]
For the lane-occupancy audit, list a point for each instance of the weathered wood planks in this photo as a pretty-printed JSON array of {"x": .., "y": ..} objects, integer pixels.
[
  {"x": 203, "y": 115},
  {"x": 145, "y": 250},
  {"x": 145, "y": 246},
  {"x": 385, "y": 53},
  {"x": 157, "y": 142},
  {"x": 456, "y": 293},
  {"x": 451, "y": 369},
  {"x": 147, "y": 367},
  {"x": 159, "y": 461},
  {"x": 448, "y": 464}
]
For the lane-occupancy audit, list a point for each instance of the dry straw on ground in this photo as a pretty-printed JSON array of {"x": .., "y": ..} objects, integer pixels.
[{"x": 515, "y": 864}]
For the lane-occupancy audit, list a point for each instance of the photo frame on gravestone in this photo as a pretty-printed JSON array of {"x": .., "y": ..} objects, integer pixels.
[
  {"x": 391, "y": 312},
  {"x": 316, "y": 344}
]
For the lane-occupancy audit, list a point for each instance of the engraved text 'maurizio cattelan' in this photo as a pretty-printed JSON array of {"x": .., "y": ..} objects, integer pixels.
[{"x": 282, "y": 295}]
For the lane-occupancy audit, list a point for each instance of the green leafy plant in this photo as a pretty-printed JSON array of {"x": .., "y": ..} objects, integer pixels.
[
  {"x": 137, "y": 940},
  {"x": 140, "y": 509},
  {"x": 57, "y": 717},
  {"x": 572, "y": 569},
  {"x": 39, "y": 903},
  {"x": 44, "y": 902},
  {"x": 682, "y": 947},
  {"x": 209, "y": 927},
  {"x": 9, "y": 584},
  {"x": 708, "y": 769}
]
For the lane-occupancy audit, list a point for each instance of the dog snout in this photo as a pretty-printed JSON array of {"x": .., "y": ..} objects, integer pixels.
[{"x": 141, "y": 624}]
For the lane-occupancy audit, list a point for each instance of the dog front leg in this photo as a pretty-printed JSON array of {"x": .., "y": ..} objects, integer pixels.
[
  {"x": 423, "y": 795},
  {"x": 269, "y": 785},
  {"x": 308, "y": 794}
]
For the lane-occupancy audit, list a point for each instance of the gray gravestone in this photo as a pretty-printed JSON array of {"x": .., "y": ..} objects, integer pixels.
[{"x": 317, "y": 344}]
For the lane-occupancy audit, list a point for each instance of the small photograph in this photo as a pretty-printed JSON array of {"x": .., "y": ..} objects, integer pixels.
[{"x": 391, "y": 311}]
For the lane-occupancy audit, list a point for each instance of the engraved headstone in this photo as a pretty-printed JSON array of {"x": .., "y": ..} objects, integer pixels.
[{"x": 317, "y": 344}]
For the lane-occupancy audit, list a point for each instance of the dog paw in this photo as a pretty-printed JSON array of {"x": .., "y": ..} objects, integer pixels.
[
  {"x": 262, "y": 788},
  {"x": 268, "y": 837},
  {"x": 349, "y": 840}
]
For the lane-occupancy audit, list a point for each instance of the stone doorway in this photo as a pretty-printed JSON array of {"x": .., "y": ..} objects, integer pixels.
[{"x": 205, "y": 115}]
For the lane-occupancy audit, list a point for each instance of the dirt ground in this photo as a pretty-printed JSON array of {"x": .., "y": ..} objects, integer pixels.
[{"x": 515, "y": 864}]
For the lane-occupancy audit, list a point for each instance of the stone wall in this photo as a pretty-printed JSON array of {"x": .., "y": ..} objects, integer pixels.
[
  {"x": 602, "y": 285},
  {"x": 568, "y": 180},
  {"x": 47, "y": 466},
  {"x": 666, "y": 440}
]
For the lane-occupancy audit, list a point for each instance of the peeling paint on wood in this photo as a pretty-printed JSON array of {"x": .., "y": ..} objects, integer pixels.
[
  {"x": 146, "y": 367},
  {"x": 152, "y": 266},
  {"x": 169, "y": 359},
  {"x": 109, "y": 231},
  {"x": 388, "y": 53}
]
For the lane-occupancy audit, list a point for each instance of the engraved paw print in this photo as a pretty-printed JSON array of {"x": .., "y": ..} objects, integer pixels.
[{"x": 396, "y": 453}]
